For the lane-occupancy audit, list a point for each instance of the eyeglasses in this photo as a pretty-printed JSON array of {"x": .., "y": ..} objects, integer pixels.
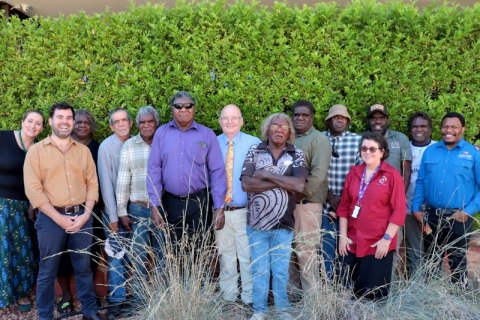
[
  {"x": 232, "y": 119},
  {"x": 371, "y": 149},
  {"x": 180, "y": 106},
  {"x": 276, "y": 126}
]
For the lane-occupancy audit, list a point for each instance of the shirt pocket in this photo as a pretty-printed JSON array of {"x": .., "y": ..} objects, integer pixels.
[
  {"x": 464, "y": 170},
  {"x": 198, "y": 153},
  {"x": 431, "y": 165}
]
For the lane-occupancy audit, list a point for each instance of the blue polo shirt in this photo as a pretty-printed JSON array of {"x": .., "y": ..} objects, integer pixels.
[
  {"x": 241, "y": 144},
  {"x": 449, "y": 178}
]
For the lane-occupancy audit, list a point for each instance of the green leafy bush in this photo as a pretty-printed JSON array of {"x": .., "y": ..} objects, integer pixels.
[{"x": 262, "y": 59}]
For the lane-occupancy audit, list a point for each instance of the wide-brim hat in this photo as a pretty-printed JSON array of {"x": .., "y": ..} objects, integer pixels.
[
  {"x": 377, "y": 108},
  {"x": 338, "y": 110}
]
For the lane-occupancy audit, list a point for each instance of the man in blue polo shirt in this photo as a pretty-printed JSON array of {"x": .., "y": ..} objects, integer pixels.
[{"x": 448, "y": 184}]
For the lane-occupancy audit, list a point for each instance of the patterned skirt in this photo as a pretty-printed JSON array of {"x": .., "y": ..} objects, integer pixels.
[{"x": 16, "y": 253}]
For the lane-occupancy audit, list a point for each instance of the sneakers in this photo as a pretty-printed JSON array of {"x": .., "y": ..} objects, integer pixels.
[{"x": 258, "y": 316}]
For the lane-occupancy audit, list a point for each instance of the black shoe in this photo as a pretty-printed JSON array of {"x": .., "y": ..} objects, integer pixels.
[
  {"x": 115, "y": 311},
  {"x": 97, "y": 316}
]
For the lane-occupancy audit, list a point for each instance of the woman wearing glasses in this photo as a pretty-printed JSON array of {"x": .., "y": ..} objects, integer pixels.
[{"x": 371, "y": 210}]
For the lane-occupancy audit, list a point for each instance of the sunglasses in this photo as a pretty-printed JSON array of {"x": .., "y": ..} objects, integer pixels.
[
  {"x": 371, "y": 149},
  {"x": 180, "y": 106},
  {"x": 276, "y": 127}
]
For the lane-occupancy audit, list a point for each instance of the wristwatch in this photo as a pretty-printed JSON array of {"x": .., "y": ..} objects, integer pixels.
[{"x": 387, "y": 237}]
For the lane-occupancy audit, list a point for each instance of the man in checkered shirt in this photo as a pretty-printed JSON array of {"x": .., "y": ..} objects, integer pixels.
[{"x": 345, "y": 154}]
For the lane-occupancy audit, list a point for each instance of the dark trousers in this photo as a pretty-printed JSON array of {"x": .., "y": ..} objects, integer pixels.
[
  {"x": 187, "y": 215},
  {"x": 369, "y": 277},
  {"x": 450, "y": 236},
  {"x": 52, "y": 240}
]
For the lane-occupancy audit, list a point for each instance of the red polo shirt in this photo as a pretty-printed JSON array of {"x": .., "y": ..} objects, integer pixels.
[{"x": 384, "y": 202}]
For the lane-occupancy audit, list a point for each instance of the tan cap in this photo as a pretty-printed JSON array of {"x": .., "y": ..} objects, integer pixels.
[
  {"x": 338, "y": 110},
  {"x": 377, "y": 108}
]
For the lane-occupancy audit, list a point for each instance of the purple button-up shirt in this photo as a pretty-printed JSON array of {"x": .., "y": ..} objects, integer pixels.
[{"x": 185, "y": 162}]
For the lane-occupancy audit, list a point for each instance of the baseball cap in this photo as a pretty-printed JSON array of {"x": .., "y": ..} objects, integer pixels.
[{"x": 377, "y": 108}]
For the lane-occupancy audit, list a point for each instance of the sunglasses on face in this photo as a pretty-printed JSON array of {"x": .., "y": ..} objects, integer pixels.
[
  {"x": 180, "y": 106},
  {"x": 371, "y": 149}
]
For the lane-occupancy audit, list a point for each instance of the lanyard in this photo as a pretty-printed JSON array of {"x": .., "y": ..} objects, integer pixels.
[{"x": 364, "y": 185}]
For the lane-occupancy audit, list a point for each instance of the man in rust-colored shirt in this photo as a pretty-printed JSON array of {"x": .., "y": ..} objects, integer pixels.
[{"x": 61, "y": 181}]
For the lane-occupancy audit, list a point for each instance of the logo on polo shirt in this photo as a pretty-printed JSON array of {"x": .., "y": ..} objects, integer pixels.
[
  {"x": 465, "y": 155},
  {"x": 382, "y": 181}
]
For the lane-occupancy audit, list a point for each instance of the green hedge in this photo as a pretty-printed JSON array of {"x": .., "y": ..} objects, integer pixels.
[{"x": 262, "y": 59}]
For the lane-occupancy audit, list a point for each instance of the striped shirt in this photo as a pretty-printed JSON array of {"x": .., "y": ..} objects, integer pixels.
[
  {"x": 132, "y": 174},
  {"x": 346, "y": 145}
]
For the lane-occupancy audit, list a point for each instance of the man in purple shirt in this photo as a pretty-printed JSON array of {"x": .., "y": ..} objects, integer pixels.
[{"x": 186, "y": 167}]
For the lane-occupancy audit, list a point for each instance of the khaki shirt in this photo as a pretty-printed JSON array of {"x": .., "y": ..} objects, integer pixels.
[
  {"x": 317, "y": 151},
  {"x": 61, "y": 179}
]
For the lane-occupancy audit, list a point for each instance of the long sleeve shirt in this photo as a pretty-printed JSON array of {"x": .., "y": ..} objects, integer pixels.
[
  {"x": 449, "y": 178},
  {"x": 317, "y": 152},
  {"x": 61, "y": 179},
  {"x": 383, "y": 203},
  {"x": 132, "y": 174},
  {"x": 185, "y": 162},
  {"x": 108, "y": 162}
]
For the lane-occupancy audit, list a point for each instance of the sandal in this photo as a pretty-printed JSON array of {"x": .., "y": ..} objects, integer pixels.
[{"x": 64, "y": 306}]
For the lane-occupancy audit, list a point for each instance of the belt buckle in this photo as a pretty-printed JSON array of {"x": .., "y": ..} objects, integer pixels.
[{"x": 66, "y": 210}]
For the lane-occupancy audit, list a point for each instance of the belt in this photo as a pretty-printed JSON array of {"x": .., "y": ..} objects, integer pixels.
[
  {"x": 188, "y": 196},
  {"x": 70, "y": 209},
  {"x": 230, "y": 208},
  {"x": 304, "y": 201},
  {"x": 143, "y": 204},
  {"x": 444, "y": 212}
]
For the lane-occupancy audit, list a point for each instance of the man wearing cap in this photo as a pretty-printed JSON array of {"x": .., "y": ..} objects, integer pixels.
[
  {"x": 448, "y": 184},
  {"x": 400, "y": 155},
  {"x": 345, "y": 154},
  {"x": 308, "y": 211},
  {"x": 400, "y": 152},
  {"x": 232, "y": 240},
  {"x": 61, "y": 181}
]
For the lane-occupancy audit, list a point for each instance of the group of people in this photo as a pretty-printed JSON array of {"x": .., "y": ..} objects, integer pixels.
[{"x": 288, "y": 209}]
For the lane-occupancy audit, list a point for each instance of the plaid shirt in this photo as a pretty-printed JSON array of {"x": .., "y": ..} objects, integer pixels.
[
  {"x": 132, "y": 174},
  {"x": 346, "y": 145}
]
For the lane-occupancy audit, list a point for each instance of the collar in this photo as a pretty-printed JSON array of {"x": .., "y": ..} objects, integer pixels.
[
  {"x": 306, "y": 133},
  {"x": 343, "y": 134},
  {"x": 459, "y": 145},
  {"x": 288, "y": 147},
  {"x": 224, "y": 138},
  {"x": 173, "y": 124},
  {"x": 138, "y": 139},
  {"x": 48, "y": 140}
]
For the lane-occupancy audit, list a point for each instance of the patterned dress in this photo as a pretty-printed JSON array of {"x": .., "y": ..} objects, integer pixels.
[{"x": 16, "y": 254}]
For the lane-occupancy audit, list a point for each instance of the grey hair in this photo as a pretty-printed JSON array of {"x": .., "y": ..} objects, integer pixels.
[
  {"x": 182, "y": 94},
  {"x": 145, "y": 111},
  {"x": 87, "y": 114},
  {"x": 110, "y": 114},
  {"x": 266, "y": 125}
]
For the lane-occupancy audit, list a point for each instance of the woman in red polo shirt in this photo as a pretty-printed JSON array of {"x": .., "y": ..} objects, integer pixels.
[{"x": 371, "y": 210}]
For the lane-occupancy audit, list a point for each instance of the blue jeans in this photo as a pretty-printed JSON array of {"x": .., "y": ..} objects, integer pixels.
[
  {"x": 144, "y": 235},
  {"x": 270, "y": 252},
  {"x": 116, "y": 270},
  {"x": 52, "y": 240},
  {"x": 329, "y": 243}
]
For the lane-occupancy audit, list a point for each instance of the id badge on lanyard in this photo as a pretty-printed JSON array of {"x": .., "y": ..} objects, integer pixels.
[{"x": 361, "y": 191}]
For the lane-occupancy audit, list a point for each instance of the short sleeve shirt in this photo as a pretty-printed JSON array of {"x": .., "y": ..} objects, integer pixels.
[
  {"x": 273, "y": 209},
  {"x": 399, "y": 148}
]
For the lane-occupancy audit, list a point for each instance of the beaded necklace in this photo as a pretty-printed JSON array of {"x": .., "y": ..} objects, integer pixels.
[{"x": 21, "y": 140}]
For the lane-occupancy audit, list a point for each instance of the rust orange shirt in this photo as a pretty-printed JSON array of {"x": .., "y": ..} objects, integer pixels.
[
  {"x": 384, "y": 202},
  {"x": 61, "y": 179}
]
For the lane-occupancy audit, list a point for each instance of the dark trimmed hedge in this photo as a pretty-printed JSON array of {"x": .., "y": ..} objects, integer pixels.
[{"x": 262, "y": 59}]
